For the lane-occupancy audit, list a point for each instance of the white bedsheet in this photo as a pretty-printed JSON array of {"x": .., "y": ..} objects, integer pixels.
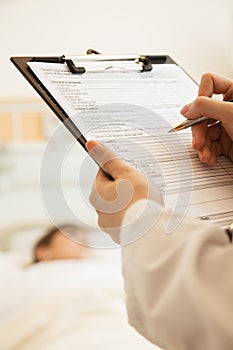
[{"x": 65, "y": 305}]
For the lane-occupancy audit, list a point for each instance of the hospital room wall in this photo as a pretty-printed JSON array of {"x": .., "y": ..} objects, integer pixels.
[{"x": 197, "y": 34}]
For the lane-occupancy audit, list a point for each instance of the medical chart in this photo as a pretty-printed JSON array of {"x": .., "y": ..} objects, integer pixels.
[{"x": 131, "y": 112}]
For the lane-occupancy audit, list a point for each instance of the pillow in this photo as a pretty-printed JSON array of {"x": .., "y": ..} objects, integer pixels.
[
  {"x": 22, "y": 242},
  {"x": 12, "y": 262}
]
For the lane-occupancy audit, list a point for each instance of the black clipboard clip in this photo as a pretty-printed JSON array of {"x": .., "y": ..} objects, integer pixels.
[
  {"x": 62, "y": 59},
  {"x": 144, "y": 61}
]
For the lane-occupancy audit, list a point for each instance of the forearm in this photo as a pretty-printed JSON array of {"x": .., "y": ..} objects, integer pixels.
[{"x": 176, "y": 287}]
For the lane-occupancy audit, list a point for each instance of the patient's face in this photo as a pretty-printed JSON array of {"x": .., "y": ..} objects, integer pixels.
[{"x": 62, "y": 247}]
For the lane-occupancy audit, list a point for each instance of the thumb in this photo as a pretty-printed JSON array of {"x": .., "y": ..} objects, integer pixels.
[
  {"x": 211, "y": 108},
  {"x": 106, "y": 159}
]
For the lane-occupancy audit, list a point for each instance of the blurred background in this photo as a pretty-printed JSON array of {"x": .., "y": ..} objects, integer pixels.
[{"x": 196, "y": 34}]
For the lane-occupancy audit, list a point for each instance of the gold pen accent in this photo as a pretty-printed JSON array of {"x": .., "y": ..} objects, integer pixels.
[{"x": 188, "y": 123}]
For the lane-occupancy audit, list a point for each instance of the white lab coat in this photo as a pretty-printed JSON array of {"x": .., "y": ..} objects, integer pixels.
[{"x": 179, "y": 287}]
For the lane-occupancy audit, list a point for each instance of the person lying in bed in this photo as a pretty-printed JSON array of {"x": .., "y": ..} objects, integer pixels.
[
  {"x": 64, "y": 242},
  {"x": 73, "y": 299}
]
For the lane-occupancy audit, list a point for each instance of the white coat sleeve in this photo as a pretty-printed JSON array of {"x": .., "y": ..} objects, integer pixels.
[{"x": 179, "y": 287}]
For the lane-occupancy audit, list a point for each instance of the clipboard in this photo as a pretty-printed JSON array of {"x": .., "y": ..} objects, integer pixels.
[
  {"x": 205, "y": 209},
  {"x": 21, "y": 64}
]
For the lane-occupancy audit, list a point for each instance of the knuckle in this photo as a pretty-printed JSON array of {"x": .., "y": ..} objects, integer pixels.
[
  {"x": 198, "y": 103},
  {"x": 100, "y": 222},
  {"x": 207, "y": 75}
]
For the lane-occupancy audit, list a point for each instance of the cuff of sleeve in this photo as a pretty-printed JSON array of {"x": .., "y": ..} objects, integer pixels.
[{"x": 139, "y": 219}]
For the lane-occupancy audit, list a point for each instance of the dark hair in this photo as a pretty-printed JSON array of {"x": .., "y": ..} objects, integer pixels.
[{"x": 46, "y": 240}]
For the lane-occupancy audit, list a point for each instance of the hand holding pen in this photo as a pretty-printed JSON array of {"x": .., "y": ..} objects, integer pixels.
[
  {"x": 211, "y": 139},
  {"x": 191, "y": 122}
]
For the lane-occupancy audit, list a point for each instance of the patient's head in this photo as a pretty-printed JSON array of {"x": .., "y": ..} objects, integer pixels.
[{"x": 61, "y": 243}]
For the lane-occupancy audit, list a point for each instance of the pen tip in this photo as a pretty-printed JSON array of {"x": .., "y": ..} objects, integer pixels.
[
  {"x": 172, "y": 130},
  {"x": 176, "y": 128}
]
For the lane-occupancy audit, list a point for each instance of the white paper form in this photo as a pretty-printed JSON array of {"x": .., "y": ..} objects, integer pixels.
[{"x": 132, "y": 112}]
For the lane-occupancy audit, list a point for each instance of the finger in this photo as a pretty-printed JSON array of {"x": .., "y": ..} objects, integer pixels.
[
  {"x": 230, "y": 153},
  {"x": 215, "y": 84},
  {"x": 103, "y": 186},
  {"x": 212, "y": 159},
  {"x": 205, "y": 154},
  {"x": 209, "y": 152},
  {"x": 216, "y": 148},
  {"x": 204, "y": 106},
  {"x": 225, "y": 142},
  {"x": 102, "y": 191},
  {"x": 200, "y": 131},
  {"x": 113, "y": 231},
  {"x": 199, "y": 135},
  {"x": 100, "y": 224},
  {"x": 113, "y": 196},
  {"x": 100, "y": 202},
  {"x": 106, "y": 159},
  {"x": 214, "y": 131},
  {"x": 101, "y": 178}
]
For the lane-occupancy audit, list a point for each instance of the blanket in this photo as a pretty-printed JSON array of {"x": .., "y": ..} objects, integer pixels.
[{"x": 65, "y": 305}]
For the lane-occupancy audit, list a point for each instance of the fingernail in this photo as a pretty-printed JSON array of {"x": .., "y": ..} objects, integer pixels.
[
  {"x": 205, "y": 159},
  {"x": 91, "y": 144},
  {"x": 184, "y": 109}
]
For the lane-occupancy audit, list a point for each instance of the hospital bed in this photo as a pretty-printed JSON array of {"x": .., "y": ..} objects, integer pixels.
[{"x": 62, "y": 304}]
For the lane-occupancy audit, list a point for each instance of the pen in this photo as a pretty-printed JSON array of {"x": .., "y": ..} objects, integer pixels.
[{"x": 190, "y": 122}]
